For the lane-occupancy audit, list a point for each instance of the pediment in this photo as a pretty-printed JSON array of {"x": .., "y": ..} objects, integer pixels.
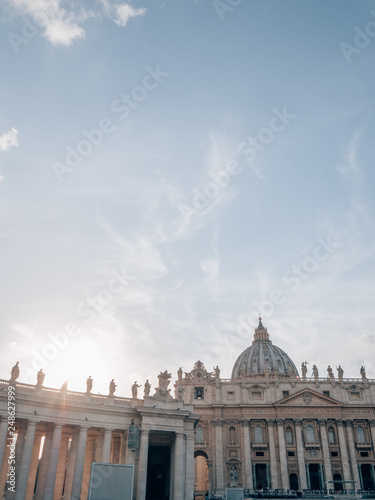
[{"x": 308, "y": 397}]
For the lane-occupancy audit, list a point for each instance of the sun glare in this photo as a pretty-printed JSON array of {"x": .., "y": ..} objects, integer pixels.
[{"x": 75, "y": 364}]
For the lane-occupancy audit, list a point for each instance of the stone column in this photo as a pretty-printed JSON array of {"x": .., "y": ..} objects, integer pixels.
[
  {"x": 282, "y": 453},
  {"x": 300, "y": 455},
  {"x": 372, "y": 429},
  {"x": 4, "y": 470},
  {"x": 353, "y": 456},
  {"x": 79, "y": 464},
  {"x": 52, "y": 463},
  {"x": 219, "y": 454},
  {"x": 142, "y": 465},
  {"x": 89, "y": 457},
  {"x": 210, "y": 478},
  {"x": 71, "y": 460},
  {"x": 189, "y": 461},
  {"x": 179, "y": 486},
  {"x": 343, "y": 451},
  {"x": 42, "y": 474},
  {"x": 3, "y": 438},
  {"x": 271, "y": 440},
  {"x": 34, "y": 462},
  {"x": 326, "y": 454},
  {"x": 247, "y": 456},
  {"x": 130, "y": 456},
  {"x": 107, "y": 443},
  {"x": 25, "y": 461},
  {"x": 61, "y": 466},
  {"x": 21, "y": 433},
  {"x": 5, "y": 452}
]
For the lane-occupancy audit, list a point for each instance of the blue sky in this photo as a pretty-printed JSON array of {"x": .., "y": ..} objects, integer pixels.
[{"x": 171, "y": 168}]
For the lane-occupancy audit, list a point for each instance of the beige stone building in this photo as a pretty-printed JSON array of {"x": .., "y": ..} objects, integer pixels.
[
  {"x": 60, "y": 433},
  {"x": 267, "y": 427}
]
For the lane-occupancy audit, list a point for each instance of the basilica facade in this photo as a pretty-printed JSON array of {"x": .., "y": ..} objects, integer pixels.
[{"x": 268, "y": 427}]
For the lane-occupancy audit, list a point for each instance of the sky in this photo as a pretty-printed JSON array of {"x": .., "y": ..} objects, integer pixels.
[{"x": 169, "y": 169}]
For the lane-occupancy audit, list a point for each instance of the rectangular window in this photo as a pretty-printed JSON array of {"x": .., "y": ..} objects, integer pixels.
[
  {"x": 334, "y": 454},
  {"x": 354, "y": 395},
  {"x": 291, "y": 454},
  {"x": 364, "y": 453},
  {"x": 198, "y": 393},
  {"x": 256, "y": 395},
  {"x": 326, "y": 393},
  {"x": 230, "y": 395},
  {"x": 259, "y": 453},
  {"x": 285, "y": 394}
]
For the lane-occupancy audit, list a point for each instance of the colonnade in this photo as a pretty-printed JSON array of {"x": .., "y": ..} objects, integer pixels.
[{"x": 55, "y": 460}]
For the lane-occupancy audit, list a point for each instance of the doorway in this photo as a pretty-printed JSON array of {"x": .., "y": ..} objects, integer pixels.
[
  {"x": 314, "y": 473},
  {"x": 261, "y": 482},
  {"x": 158, "y": 473},
  {"x": 293, "y": 481},
  {"x": 367, "y": 478},
  {"x": 337, "y": 486},
  {"x": 201, "y": 479}
]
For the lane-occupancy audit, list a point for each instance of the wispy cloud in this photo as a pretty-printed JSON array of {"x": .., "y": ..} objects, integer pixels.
[
  {"x": 142, "y": 256},
  {"x": 120, "y": 13},
  {"x": 9, "y": 139},
  {"x": 124, "y": 12},
  {"x": 63, "y": 26},
  {"x": 211, "y": 266},
  {"x": 63, "y": 30},
  {"x": 349, "y": 169},
  {"x": 352, "y": 173},
  {"x": 58, "y": 25}
]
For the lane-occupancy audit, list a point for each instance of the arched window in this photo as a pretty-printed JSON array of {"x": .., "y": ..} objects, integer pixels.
[
  {"x": 310, "y": 437},
  {"x": 331, "y": 435},
  {"x": 258, "y": 434},
  {"x": 199, "y": 438},
  {"x": 360, "y": 434},
  {"x": 232, "y": 435},
  {"x": 289, "y": 435}
]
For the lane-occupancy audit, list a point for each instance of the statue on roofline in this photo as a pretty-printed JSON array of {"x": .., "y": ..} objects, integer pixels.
[
  {"x": 304, "y": 369},
  {"x": 135, "y": 389},
  {"x": 330, "y": 373},
  {"x": 147, "y": 389},
  {"x": 112, "y": 387},
  {"x": 89, "y": 383},
  {"x": 15, "y": 373},
  {"x": 40, "y": 376}
]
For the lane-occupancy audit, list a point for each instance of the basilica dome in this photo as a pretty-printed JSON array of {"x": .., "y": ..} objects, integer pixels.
[{"x": 263, "y": 358}]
